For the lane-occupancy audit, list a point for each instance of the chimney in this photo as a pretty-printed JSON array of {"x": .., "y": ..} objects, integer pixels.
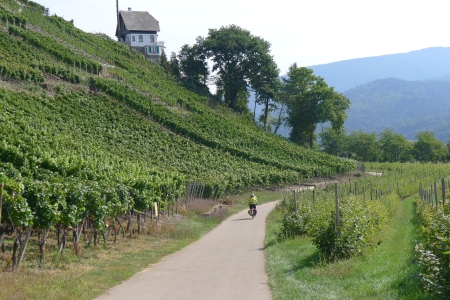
[{"x": 129, "y": 8}]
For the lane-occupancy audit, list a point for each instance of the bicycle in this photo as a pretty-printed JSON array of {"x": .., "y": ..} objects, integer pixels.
[{"x": 252, "y": 212}]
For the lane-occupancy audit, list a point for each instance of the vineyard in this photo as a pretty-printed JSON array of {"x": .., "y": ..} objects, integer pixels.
[
  {"x": 342, "y": 219},
  {"x": 95, "y": 137}
]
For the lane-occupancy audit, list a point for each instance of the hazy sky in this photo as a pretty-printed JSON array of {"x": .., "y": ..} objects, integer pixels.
[{"x": 307, "y": 32}]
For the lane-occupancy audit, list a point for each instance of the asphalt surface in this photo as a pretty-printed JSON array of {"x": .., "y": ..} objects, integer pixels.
[{"x": 226, "y": 263}]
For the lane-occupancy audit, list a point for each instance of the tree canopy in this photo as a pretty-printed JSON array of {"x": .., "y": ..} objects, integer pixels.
[
  {"x": 311, "y": 101},
  {"x": 389, "y": 146},
  {"x": 334, "y": 141},
  {"x": 267, "y": 86},
  {"x": 428, "y": 148},
  {"x": 394, "y": 146},
  {"x": 240, "y": 59}
]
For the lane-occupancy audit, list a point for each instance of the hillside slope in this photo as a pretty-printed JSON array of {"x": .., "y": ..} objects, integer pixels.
[
  {"x": 406, "y": 106},
  {"x": 79, "y": 105}
]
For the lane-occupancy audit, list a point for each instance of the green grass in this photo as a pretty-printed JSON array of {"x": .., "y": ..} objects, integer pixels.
[{"x": 386, "y": 271}]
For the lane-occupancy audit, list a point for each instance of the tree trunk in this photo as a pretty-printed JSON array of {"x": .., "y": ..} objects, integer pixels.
[
  {"x": 15, "y": 253},
  {"x": 41, "y": 243},
  {"x": 76, "y": 237},
  {"x": 311, "y": 140},
  {"x": 24, "y": 243},
  {"x": 115, "y": 234},
  {"x": 2, "y": 239},
  {"x": 254, "y": 110},
  {"x": 20, "y": 245},
  {"x": 63, "y": 242},
  {"x": 233, "y": 98},
  {"x": 279, "y": 119},
  {"x": 266, "y": 112},
  {"x": 110, "y": 230},
  {"x": 139, "y": 223},
  {"x": 96, "y": 238},
  {"x": 121, "y": 227},
  {"x": 58, "y": 237},
  {"x": 130, "y": 224}
]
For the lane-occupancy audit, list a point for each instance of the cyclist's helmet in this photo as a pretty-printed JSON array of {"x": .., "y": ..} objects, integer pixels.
[{"x": 253, "y": 195}]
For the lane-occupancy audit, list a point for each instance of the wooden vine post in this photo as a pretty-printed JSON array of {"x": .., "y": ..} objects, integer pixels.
[
  {"x": 295, "y": 201},
  {"x": 314, "y": 196},
  {"x": 431, "y": 196},
  {"x": 364, "y": 193},
  {"x": 336, "y": 202},
  {"x": 436, "y": 194},
  {"x": 443, "y": 192}
]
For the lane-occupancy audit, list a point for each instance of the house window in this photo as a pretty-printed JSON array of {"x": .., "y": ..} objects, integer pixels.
[
  {"x": 152, "y": 38},
  {"x": 133, "y": 38},
  {"x": 156, "y": 49},
  {"x": 149, "y": 49},
  {"x": 141, "y": 39}
]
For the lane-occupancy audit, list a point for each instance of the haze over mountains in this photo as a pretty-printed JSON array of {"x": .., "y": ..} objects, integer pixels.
[
  {"x": 405, "y": 106},
  {"x": 408, "y": 92},
  {"x": 425, "y": 64}
]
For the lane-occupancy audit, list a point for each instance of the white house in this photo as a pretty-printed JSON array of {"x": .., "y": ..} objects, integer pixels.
[{"x": 139, "y": 30}]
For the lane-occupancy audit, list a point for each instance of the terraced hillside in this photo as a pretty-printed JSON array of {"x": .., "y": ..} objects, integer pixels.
[{"x": 86, "y": 124}]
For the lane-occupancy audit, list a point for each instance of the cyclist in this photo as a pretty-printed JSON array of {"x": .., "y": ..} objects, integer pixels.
[{"x": 252, "y": 202}]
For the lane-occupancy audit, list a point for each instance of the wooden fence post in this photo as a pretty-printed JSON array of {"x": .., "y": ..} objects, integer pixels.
[
  {"x": 436, "y": 194},
  {"x": 314, "y": 196},
  {"x": 336, "y": 202},
  {"x": 295, "y": 201},
  {"x": 443, "y": 191},
  {"x": 431, "y": 195},
  {"x": 364, "y": 193}
]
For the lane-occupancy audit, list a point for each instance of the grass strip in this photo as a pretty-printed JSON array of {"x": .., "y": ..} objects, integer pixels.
[{"x": 386, "y": 271}]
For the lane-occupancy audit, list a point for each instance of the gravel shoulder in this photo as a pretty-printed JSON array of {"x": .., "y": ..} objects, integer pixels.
[{"x": 226, "y": 263}]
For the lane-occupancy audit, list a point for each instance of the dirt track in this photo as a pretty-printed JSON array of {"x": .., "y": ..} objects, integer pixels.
[{"x": 226, "y": 263}]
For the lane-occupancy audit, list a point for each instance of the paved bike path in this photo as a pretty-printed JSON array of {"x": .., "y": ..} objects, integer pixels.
[{"x": 226, "y": 263}]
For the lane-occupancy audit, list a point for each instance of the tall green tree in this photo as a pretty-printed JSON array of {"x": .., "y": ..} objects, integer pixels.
[
  {"x": 394, "y": 146},
  {"x": 334, "y": 142},
  {"x": 238, "y": 58},
  {"x": 363, "y": 146},
  {"x": 175, "y": 65},
  {"x": 428, "y": 148},
  {"x": 193, "y": 65},
  {"x": 311, "y": 101},
  {"x": 267, "y": 85},
  {"x": 164, "y": 62},
  {"x": 280, "y": 120}
]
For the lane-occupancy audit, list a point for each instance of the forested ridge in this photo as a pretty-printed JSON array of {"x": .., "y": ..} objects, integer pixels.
[
  {"x": 92, "y": 130},
  {"x": 406, "y": 106}
]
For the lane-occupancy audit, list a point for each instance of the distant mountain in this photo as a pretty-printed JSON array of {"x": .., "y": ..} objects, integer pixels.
[
  {"x": 438, "y": 124},
  {"x": 429, "y": 63},
  {"x": 405, "y": 106},
  {"x": 415, "y": 97}
]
